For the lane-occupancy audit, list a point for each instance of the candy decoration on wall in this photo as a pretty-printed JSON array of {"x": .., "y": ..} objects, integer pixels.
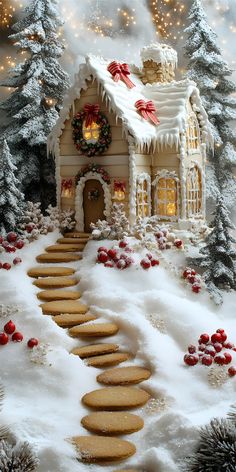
[
  {"x": 119, "y": 190},
  {"x": 67, "y": 188},
  {"x": 147, "y": 110},
  {"x": 120, "y": 72}
]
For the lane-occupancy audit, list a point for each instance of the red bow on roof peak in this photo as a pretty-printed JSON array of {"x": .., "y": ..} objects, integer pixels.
[
  {"x": 120, "y": 71},
  {"x": 147, "y": 110}
]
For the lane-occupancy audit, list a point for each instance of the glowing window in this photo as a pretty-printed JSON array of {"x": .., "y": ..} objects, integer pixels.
[
  {"x": 142, "y": 198},
  {"x": 167, "y": 197},
  {"x": 91, "y": 133},
  {"x": 194, "y": 192},
  {"x": 192, "y": 134}
]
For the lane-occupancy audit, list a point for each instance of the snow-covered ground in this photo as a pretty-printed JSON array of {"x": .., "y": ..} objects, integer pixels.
[{"x": 43, "y": 401}]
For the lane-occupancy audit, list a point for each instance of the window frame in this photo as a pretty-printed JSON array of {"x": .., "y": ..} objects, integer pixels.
[
  {"x": 91, "y": 130},
  {"x": 197, "y": 202},
  {"x": 140, "y": 181},
  {"x": 165, "y": 174},
  {"x": 193, "y": 134}
]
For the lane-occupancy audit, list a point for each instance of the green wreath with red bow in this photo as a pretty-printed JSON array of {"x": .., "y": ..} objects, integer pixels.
[{"x": 91, "y": 114}]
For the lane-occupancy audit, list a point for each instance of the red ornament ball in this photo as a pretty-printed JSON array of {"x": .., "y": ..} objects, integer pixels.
[
  {"x": 178, "y": 243},
  {"x": 196, "y": 288},
  {"x": 210, "y": 350},
  {"x": 232, "y": 371},
  {"x": 6, "y": 266},
  {"x": 112, "y": 253},
  {"x": 109, "y": 264},
  {"x": 191, "y": 349},
  {"x": 10, "y": 248},
  {"x": 121, "y": 264},
  {"x": 206, "y": 360},
  {"x": 218, "y": 347},
  {"x": 3, "y": 339},
  {"x": 220, "y": 359},
  {"x": 220, "y": 330},
  {"x": 228, "y": 345},
  {"x": 19, "y": 244},
  {"x": 32, "y": 343},
  {"x": 190, "y": 359},
  {"x": 145, "y": 263},
  {"x": 155, "y": 262},
  {"x": 123, "y": 244},
  {"x": 228, "y": 358},
  {"x": 204, "y": 338},
  {"x": 17, "y": 260},
  {"x": 223, "y": 337},
  {"x": 102, "y": 257},
  {"x": 102, "y": 249},
  {"x": 12, "y": 237},
  {"x": 10, "y": 327},
  {"x": 17, "y": 337},
  {"x": 191, "y": 278},
  {"x": 216, "y": 338}
]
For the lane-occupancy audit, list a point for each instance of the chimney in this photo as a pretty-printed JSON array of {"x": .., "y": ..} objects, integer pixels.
[{"x": 159, "y": 63}]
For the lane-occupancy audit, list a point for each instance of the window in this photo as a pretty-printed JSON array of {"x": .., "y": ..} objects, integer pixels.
[
  {"x": 143, "y": 196},
  {"x": 194, "y": 192},
  {"x": 166, "y": 197},
  {"x": 192, "y": 134},
  {"x": 92, "y": 132}
]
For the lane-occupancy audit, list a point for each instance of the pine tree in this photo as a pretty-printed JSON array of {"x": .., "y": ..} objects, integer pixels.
[
  {"x": 39, "y": 85},
  {"x": 208, "y": 69},
  {"x": 218, "y": 254},
  {"x": 11, "y": 199}
]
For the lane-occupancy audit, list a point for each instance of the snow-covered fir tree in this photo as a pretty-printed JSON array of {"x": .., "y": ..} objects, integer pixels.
[
  {"x": 210, "y": 71},
  {"x": 11, "y": 199},
  {"x": 32, "y": 109},
  {"x": 219, "y": 255},
  {"x": 115, "y": 227}
]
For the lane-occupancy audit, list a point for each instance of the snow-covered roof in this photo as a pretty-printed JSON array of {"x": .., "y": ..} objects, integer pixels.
[
  {"x": 159, "y": 53},
  {"x": 169, "y": 99}
]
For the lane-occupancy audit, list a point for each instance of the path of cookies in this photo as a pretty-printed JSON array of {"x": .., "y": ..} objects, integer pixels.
[{"x": 111, "y": 402}]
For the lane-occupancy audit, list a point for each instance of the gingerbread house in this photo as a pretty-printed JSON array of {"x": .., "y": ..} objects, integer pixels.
[{"x": 133, "y": 135}]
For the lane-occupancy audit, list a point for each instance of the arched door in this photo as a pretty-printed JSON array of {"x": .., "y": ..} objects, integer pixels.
[{"x": 93, "y": 203}]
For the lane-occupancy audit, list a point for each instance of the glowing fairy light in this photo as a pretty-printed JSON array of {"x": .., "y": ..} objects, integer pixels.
[{"x": 7, "y": 11}]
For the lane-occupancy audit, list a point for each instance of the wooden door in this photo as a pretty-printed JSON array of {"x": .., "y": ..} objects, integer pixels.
[{"x": 93, "y": 203}]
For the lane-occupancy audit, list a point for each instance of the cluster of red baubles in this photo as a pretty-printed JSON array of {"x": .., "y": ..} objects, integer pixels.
[
  {"x": 211, "y": 349},
  {"x": 16, "y": 336},
  {"x": 113, "y": 257},
  {"x": 10, "y": 245},
  {"x": 192, "y": 278},
  {"x": 149, "y": 261}
]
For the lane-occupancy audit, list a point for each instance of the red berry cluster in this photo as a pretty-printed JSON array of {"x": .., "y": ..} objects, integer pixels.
[
  {"x": 149, "y": 261},
  {"x": 178, "y": 243},
  {"x": 211, "y": 349},
  {"x": 162, "y": 239},
  {"x": 193, "y": 278},
  {"x": 114, "y": 257},
  {"x": 10, "y": 245},
  {"x": 16, "y": 336}
]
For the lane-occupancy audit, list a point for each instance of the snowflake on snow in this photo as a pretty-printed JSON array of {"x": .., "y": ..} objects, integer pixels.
[
  {"x": 217, "y": 376},
  {"x": 38, "y": 355},
  {"x": 156, "y": 405},
  {"x": 9, "y": 310},
  {"x": 157, "y": 322}
]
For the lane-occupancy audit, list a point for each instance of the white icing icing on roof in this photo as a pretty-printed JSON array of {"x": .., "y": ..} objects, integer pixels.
[
  {"x": 169, "y": 98},
  {"x": 160, "y": 53}
]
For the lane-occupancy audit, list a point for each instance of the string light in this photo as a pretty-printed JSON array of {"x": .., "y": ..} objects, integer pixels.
[{"x": 7, "y": 10}]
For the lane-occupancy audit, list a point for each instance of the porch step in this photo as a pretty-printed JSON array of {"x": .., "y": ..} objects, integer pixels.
[
  {"x": 75, "y": 234},
  {"x": 94, "y": 330},
  {"x": 65, "y": 248},
  {"x": 94, "y": 350},
  {"x": 99, "y": 449},
  {"x": 64, "y": 306},
  {"x": 112, "y": 423},
  {"x": 50, "y": 271},
  {"x": 116, "y": 398},
  {"x": 72, "y": 240},
  {"x": 55, "y": 282},
  {"x": 107, "y": 360},
  {"x": 68, "y": 321},
  {"x": 51, "y": 295}
]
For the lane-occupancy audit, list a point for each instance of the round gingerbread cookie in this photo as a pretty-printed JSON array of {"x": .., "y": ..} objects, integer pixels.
[
  {"x": 107, "y": 360},
  {"x": 67, "y": 321},
  {"x": 124, "y": 376},
  {"x": 94, "y": 349},
  {"x": 93, "y": 330},
  {"x": 102, "y": 449},
  {"x": 112, "y": 423},
  {"x": 116, "y": 398}
]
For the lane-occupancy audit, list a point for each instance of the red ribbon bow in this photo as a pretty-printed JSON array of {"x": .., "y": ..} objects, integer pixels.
[
  {"x": 91, "y": 112},
  {"x": 147, "y": 110},
  {"x": 120, "y": 71},
  {"x": 67, "y": 184},
  {"x": 119, "y": 186}
]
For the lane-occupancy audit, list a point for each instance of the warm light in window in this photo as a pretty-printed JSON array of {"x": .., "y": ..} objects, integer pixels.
[
  {"x": 91, "y": 132},
  {"x": 167, "y": 197},
  {"x": 119, "y": 190},
  {"x": 194, "y": 192},
  {"x": 192, "y": 134},
  {"x": 67, "y": 188},
  {"x": 142, "y": 199}
]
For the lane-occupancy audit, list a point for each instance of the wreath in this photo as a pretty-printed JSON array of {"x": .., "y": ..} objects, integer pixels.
[
  {"x": 95, "y": 168},
  {"x": 91, "y": 114}
]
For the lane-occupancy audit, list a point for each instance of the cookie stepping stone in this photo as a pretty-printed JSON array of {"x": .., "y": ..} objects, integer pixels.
[
  {"x": 116, "y": 398},
  {"x": 67, "y": 321},
  {"x": 64, "y": 306},
  {"x": 50, "y": 271},
  {"x": 65, "y": 248},
  {"x": 55, "y": 282},
  {"x": 124, "y": 376},
  {"x": 75, "y": 234},
  {"x": 72, "y": 241},
  {"x": 49, "y": 295},
  {"x": 112, "y": 423},
  {"x": 94, "y": 330},
  {"x": 102, "y": 449},
  {"x": 58, "y": 257},
  {"x": 107, "y": 360},
  {"x": 94, "y": 349}
]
